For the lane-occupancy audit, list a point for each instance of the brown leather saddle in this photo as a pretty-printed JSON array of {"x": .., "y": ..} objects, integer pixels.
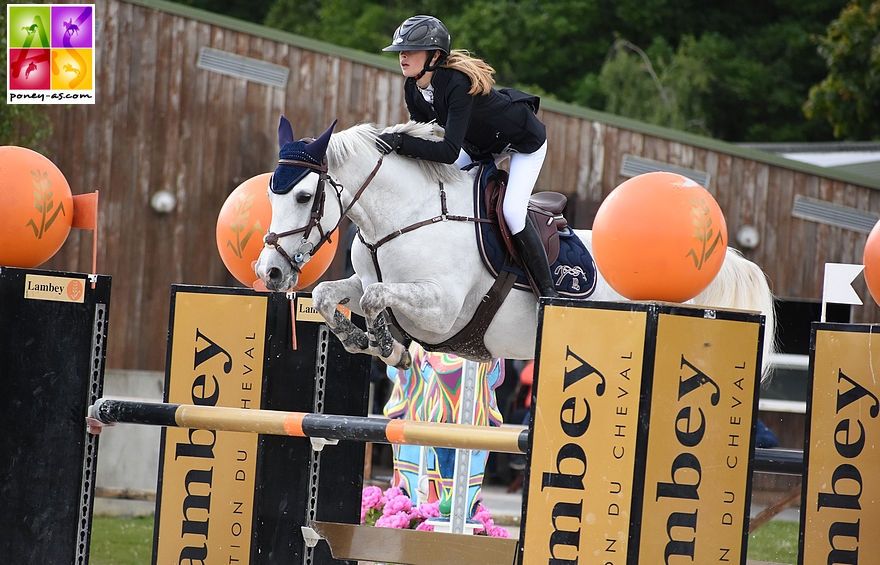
[{"x": 545, "y": 211}]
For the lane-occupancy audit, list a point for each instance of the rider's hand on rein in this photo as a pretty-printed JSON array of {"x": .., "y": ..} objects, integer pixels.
[{"x": 388, "y": 142}]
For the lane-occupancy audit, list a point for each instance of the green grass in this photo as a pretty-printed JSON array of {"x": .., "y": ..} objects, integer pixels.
[
  {"x": 129, "y": 541},
  {"x": 121, "y": 541},
  {"x": 775, "y": 541}
]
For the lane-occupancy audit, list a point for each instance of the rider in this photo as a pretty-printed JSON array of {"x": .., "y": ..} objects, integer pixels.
[{"x": 455, "y": 89}]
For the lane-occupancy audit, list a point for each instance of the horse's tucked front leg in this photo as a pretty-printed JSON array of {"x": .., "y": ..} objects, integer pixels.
[
  {"x": 352, "y": 337},
  {"x": 326, "y": 297},
  {"x": 391, "y": 351},
  {"x": 424, "y": 302}
]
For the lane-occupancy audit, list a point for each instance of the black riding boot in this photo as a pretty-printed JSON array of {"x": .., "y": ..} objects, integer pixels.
[{"x": 531, "y": 250}]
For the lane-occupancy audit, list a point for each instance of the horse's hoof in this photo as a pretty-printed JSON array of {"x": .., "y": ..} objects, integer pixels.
[{"x": 405, "y": 361}]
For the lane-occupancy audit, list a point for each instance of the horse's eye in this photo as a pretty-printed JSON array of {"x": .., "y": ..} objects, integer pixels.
[{"x": 303, "y": 197}]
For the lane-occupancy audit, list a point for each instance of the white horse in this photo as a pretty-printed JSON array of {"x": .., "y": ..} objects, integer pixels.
[{"x": 430, "y": 278}]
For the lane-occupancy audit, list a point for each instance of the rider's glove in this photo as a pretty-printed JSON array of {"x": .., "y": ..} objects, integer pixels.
[{"x": 388, "y": 142}]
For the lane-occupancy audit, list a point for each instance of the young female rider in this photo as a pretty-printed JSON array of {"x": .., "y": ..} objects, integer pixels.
[{"x": 455, "y": 89}]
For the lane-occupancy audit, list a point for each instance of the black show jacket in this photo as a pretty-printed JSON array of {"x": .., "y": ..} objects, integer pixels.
[{"x": 482, "y": 124}]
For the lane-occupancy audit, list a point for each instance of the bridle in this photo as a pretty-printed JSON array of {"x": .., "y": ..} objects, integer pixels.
[{"x": 317, "y": 213}]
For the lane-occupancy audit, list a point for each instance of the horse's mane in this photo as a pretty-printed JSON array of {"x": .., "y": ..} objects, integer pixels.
[{"x": 361, "y": 139}]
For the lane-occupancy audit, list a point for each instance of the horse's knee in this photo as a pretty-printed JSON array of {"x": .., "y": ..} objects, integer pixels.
[
  {"x": 373, "y": 300},
  {"x": 323, "y": 301}
]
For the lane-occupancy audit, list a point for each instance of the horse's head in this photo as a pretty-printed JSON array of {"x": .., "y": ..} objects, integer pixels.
[{"x": 301, "y": 222}]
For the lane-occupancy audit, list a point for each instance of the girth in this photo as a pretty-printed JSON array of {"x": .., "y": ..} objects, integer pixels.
[{"x": 469, "y": 341}]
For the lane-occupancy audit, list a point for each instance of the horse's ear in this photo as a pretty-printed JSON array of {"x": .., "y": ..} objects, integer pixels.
[
  {"x": 318, "y": 148},
  {"x": 285, "y": 132}
]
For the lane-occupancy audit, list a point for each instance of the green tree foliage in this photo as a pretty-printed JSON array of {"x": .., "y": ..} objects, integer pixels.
[
  {"x": 25, "y": 125},
  {"x": 359, "y": 24},
  {"x": 248, "y": 10},
  {"x": 669, "y": 91},
  {"x": 757, "y": 57},
  {"x": 708, "y": 87},
  {"x": 535, "y": 42},
  {"x": 849, "y": 97}
]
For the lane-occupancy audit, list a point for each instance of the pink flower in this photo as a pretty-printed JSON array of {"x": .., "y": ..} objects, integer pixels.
[
  {"x": 394, "y": 509},
  {"x": 489, "y": 528},
  {"x": 371, "y": 503},
  {"x": 400, "y": 503},
  {"x": 498, "y": 532},
  {"x": 392, "y": 492},
  {"x": 371, "y": 498},
  {"x": 400, "y": 520},
  {"x": 428, "y": 510},
  {"x": 483, "y": 516}
]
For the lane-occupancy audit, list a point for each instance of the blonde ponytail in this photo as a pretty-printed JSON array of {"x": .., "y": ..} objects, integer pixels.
[{"x": 479, "y": 71}]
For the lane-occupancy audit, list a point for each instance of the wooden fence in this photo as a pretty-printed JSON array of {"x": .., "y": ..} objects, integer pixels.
[{"x": 163, "y": 122}]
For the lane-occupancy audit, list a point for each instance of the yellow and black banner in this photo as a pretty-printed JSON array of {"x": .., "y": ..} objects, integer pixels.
[
  {"x": 208, "y": 477},
  {"x": 697, "y": 470},
  {"x": 840, "y": 514},
  {"x": 641, "y": 443},
  {"x": 585, "y": 423}
]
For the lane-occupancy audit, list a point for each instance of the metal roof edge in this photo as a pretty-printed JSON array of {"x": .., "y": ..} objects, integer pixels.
[
  {"x": 548, "y": 103},
  {"x": 814, "y": 146}
]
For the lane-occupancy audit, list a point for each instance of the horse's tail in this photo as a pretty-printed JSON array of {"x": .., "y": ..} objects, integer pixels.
[{"x": 742, "y": 285}]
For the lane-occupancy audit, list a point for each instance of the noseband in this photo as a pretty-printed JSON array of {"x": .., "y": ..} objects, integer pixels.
[{"x": 317, "y": 213}]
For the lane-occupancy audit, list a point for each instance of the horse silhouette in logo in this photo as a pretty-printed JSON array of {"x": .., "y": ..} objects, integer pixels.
[
  {"x": 31, "y": 29},
  {"x": 70, "y": 28},
  {"x": 31, "y": 67},
  {"x": 68, "y": 68}
]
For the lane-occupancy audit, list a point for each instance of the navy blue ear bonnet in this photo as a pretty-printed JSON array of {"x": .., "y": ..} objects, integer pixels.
[
  {"x": 309, "y": 153},
  {"x": 287, "y": 176}
]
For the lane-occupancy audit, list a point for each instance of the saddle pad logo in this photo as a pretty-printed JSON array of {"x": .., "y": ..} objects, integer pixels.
[
  {"x": 572, "y": 279},
  {"x": 50, "y": 54}
]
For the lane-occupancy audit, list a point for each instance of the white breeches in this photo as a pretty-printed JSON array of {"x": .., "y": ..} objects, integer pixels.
[{"x": 524, "y": 171}]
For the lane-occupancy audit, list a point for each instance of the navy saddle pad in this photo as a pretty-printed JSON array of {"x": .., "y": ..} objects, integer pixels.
[{"x": 574, "y": 271}]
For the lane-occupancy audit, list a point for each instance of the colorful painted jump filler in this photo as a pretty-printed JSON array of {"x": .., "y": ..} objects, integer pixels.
[{"x": 438, "y": 389}]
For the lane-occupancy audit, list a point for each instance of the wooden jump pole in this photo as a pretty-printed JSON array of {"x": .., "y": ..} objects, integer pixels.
[
  {"x": 301, "y": 424},
  {"x": 107, "y": 411}
]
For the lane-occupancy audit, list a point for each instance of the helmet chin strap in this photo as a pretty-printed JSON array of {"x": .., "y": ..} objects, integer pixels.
[{"x": 429, "y": 67}]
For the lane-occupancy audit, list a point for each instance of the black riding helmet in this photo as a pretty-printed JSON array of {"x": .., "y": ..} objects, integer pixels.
[{"x": 422, "y": 33}]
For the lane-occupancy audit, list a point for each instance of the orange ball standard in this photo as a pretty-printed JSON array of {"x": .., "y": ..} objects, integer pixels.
[
  {"x": 871, "y": 261},
  {"x": 243, "y": 221},
  {"x": 659, "y": 236},
  {"x": 37, "y": 208}
]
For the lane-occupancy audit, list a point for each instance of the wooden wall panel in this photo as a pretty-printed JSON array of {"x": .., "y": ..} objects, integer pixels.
[{"x": 162, "y": 123}]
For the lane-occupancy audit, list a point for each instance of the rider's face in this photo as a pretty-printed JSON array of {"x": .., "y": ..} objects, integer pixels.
[{"x": 412, "y": 62}]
